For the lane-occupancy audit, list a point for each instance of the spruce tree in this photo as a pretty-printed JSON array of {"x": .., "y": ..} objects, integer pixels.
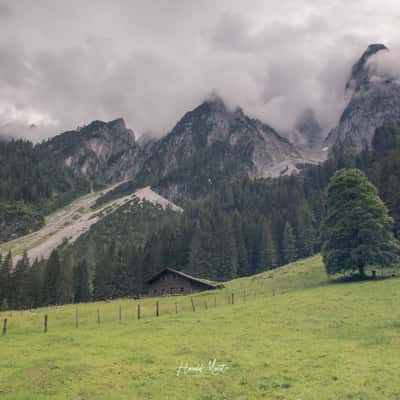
[
  {"x": 243, "y": 257},
  {"x": 34, "y": 285},
  {"x": 307, "y": 235},
  {"x": 199, "y": 260},
  {"x": 121, "y": 281},
  {"x": 356, "y": 229},
  {"x": 268, "y": 251},
  {"x": 102, "y": 283},
  {"x": 224, "y": 246},
  {"x": 19, "y": 283},
  {"x": 51, "y": 279},
  {"x": 81, "y": 283},
  {"x": 136, "y": 270},
  {"x": 64, "y": 280},
  {"x": 5, "y": 279},
  {"x": 289, "y": 244}
]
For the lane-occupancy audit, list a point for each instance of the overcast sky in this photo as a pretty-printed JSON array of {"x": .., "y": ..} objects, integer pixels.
[{"x": 66, "y": 63}]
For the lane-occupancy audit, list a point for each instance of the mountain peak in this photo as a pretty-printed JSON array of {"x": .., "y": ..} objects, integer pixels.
[
  {"x": 374, "y": 101},
  {"x": 215, "y": 103},
  {"x": 360, "y": 70},
  {"x": 117, "y": 123}
]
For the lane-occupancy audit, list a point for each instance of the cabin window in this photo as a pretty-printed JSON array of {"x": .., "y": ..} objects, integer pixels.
[
  {"x": 182, "y": 289},
  {"x": 162, "y": 291},
  {"x": 154, "y": 291}
]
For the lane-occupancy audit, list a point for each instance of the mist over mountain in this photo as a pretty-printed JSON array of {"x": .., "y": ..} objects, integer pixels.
[
  {"x": 273, "y": 62},
  {"x": 374, "y": 101},
  {"x": 216, "y": 140}
]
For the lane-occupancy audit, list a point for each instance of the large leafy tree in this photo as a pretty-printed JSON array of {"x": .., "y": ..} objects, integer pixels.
[{"x": 356, "y": 229}]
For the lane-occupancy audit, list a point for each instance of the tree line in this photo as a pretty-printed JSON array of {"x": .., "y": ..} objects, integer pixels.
[
  {"x": 240, "y": 228},
  {"x": 43, "y": 283},
  {"x": 34, "y": 182}
]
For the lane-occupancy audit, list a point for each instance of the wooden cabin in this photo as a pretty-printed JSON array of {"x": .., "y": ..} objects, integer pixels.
[{"x": 172, "y": 282}]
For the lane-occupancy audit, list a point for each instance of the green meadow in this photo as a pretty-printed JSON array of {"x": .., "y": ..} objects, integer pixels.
[{"x": 313, "y": 339}]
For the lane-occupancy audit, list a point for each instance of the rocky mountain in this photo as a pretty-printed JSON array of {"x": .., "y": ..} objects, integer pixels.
[
  {"x": 307, "y": 135},
  {"x": 105, "y": 151},
  {"x": 208, "y": 142},
  {"x": 212, "y": 141},
  {"x": 374, "y": 102},
  {"x": 213, "y": 130}
]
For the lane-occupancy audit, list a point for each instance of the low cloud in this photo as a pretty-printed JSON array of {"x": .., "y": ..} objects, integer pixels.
[
  {"x": 66, "y": 64},
  {"x": 385, "y": 64}
]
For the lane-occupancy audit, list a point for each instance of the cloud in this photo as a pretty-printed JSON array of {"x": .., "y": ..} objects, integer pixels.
[
  {"x": 66, "y": 64},
  {"x": 5, "y": 10},
  {"x": 385, "y": 65}
]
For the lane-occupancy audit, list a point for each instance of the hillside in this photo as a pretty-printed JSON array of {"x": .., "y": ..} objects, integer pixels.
[
  {"x": 72, "y": 221},
  {"x": 314, "y": 339}
]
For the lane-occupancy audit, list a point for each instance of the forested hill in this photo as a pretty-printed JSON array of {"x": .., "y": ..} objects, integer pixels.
[
  {"x": 34, "y": 182},
  {"x": 242, "y": 227}
]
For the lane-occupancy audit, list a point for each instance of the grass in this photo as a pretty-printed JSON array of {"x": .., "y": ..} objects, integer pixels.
[{"x": 313, "y": 340}]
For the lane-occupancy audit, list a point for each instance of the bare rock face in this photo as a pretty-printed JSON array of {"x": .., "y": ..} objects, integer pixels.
[
  {"x": 374, "y": 102},
  {"x": 106, "y": 151},
  {"x": 307, "y": 135},
  {"x": 212, "y": 134}
]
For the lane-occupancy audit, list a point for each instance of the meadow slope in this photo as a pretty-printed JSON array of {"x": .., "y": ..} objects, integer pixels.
[{"x": 314, "y": 339}]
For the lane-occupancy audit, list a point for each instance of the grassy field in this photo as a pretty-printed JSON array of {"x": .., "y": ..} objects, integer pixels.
[{"x": 314, "y": 339}]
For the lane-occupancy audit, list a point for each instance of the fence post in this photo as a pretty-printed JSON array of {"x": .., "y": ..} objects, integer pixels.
[
  {"x": 205, "y": 304},
  {"x": 45, "y": 323},
  {"x": 98, "y": 316},
  {"x": 138, "y": 311},
  {"x": 157, "y": 309},
  {"x": 244, "y": 296},
  {"x": 120, "y": 313},
  {"x": 5, "y": 326},
  {"x": 193, "y": 306},
  {"x": 76, "y": 318},
  {"x": 176, "y": 308},
  {"x": 215, "y": 301},
  {"x": 233, "y": 298}
]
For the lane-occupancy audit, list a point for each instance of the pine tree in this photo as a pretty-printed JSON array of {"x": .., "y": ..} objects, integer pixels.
[
  {"x": 81, "y": 283},
  {"x": 289, "y": 244},
  {"x": 224, "y": 248},
  {"x": 64, "y": 283},
  {"x": 121, "y": 280},
  {"x": 135, "y": 270},
  {"x": 19, "y": 283},
  {"x": 199, "y": 260},
  {"x": 102, "y": 283},
  {"x": 153, "y": 256},
  {"x": 356, "y": 229},
  {"x": 307, "y": 235},
  {"x": 51, "y": 279},
  {"x": 5, "y": 279},
  {"x": 34, "y": 285},
  {"x": 243, "y": 257},
  {"x": 253, "y": 246},
  {"x": 268, "y": 257}
]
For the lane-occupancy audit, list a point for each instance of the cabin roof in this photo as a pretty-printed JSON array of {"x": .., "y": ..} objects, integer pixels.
[{"x": 205, "y": 282}]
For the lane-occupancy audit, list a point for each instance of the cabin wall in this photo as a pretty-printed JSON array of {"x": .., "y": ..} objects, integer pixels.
[{"x": 169, "y": 284}]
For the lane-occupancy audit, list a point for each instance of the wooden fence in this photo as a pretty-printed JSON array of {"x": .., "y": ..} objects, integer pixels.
[{"x": 173, "y": 305}]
